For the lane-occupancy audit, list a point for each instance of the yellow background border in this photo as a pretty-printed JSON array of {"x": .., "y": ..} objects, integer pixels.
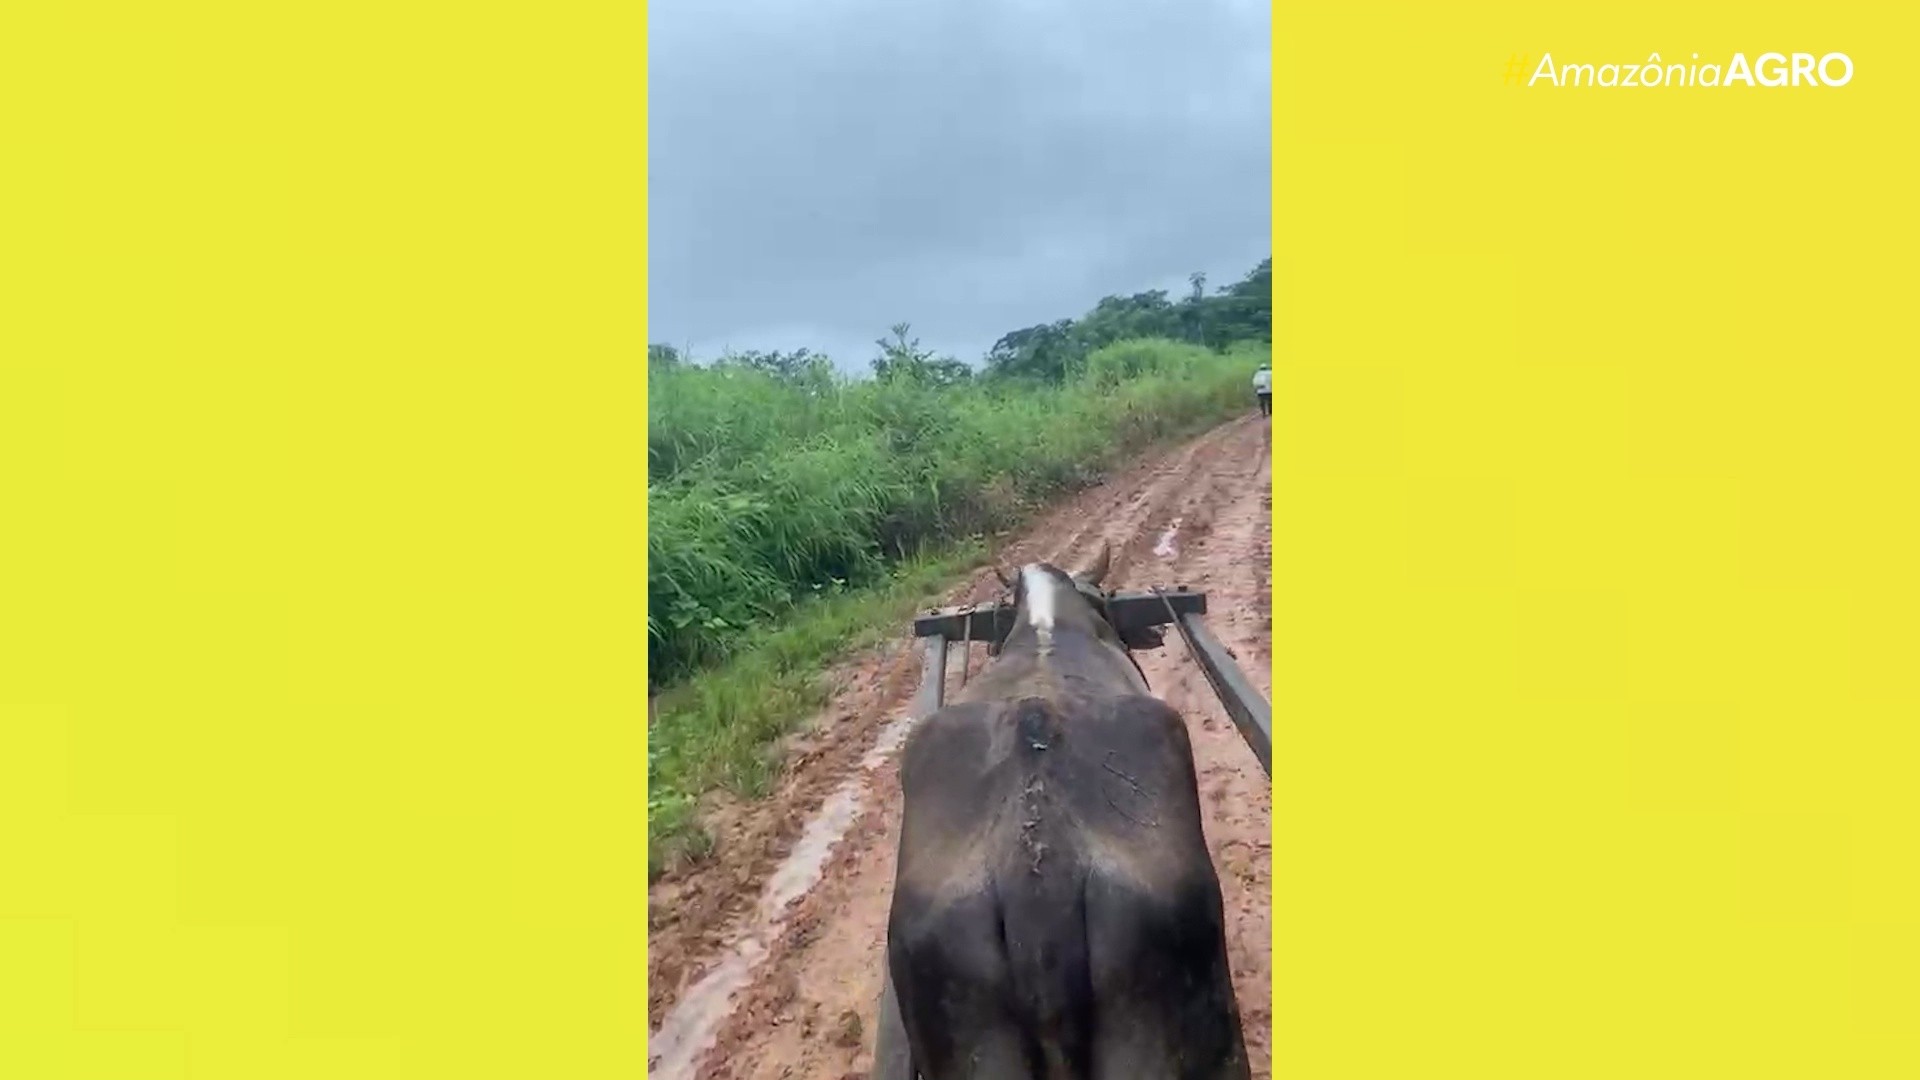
[
  {"x": 322, "y": 444},
  {"x": 1594, "y": 452}
]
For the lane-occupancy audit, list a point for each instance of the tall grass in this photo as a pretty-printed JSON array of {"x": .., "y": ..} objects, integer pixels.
[
  {"x": 719, "y": 729},
  {"x": 765, "y": 492},
  {"x": 787, "y": 517}
]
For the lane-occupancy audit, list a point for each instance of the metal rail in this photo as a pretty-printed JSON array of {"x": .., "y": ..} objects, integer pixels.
[
  {"x": 1246, "y": 706},
  {"x": 933, "y": 676}
]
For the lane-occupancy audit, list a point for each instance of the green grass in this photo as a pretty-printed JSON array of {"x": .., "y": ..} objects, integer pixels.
[
  {"x": 719, "y": 729},
  {"x": 792, "y": 519}
]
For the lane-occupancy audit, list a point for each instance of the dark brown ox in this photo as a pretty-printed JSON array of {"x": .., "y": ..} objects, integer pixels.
[{"x": 1055, "y": 913}]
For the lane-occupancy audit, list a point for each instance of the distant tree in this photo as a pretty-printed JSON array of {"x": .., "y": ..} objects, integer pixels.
[
  {"x": 901, "y": 357},
  {"x": 1244, "y": 309},
  {"x": 1049, "y": 351},
  {"x": 1197, "y": 307},
  {"x": 1123, "y": 318}
]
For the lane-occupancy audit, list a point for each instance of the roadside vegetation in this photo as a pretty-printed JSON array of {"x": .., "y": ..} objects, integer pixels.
[{"x": 796, "y": 512}]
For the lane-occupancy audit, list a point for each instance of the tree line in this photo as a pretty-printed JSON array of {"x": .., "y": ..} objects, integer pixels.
[{"x": 1051, "y": 352}]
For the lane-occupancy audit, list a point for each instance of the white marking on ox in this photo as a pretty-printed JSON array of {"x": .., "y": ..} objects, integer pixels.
[{"x": 1040, "y": 586}]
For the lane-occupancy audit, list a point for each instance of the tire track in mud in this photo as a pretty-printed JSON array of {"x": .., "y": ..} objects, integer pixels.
[{"x": 748, "y": 981}]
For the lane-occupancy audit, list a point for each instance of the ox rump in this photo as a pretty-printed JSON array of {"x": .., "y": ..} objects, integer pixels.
[{"x": 1055, "y": 912}]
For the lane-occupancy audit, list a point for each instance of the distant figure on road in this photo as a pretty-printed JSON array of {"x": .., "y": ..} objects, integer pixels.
[{"x": 1263, "y": 389}]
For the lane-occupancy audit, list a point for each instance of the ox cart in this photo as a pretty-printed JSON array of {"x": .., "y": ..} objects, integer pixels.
[{"x": 1140, "y": 618}]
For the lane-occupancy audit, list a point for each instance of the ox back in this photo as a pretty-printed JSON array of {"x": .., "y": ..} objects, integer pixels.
[{"x": 1055, "y": 913}]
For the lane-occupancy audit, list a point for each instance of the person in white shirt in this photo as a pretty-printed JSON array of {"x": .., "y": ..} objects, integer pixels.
[{"x": 1263, "y": 389}]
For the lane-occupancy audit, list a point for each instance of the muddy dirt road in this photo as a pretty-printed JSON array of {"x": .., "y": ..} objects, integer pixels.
[{"x": 764, "y": 962}]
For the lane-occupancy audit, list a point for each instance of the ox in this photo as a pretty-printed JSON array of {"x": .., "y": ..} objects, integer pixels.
[{"x": 1055, "y": 912}]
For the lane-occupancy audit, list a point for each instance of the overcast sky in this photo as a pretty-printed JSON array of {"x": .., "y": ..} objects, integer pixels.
[{"x": 822, "y": 170}]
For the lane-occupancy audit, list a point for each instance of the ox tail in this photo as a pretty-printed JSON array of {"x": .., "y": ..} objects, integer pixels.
[{"x": 1042, "y": 904}]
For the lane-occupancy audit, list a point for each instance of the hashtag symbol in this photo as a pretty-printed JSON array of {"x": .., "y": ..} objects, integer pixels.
[{"x": 1516, "y": 66}]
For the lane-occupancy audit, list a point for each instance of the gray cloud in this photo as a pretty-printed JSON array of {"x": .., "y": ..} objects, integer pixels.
[{"x": 820, "y": 171}]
